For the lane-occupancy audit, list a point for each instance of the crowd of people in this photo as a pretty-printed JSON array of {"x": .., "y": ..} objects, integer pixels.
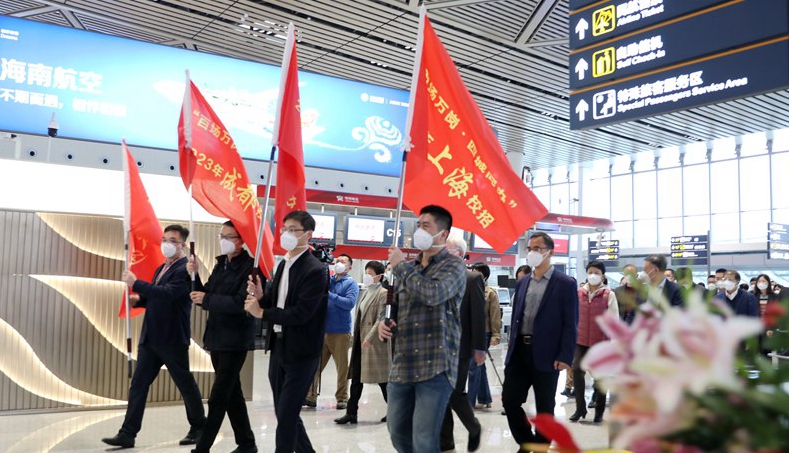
[{"x": 419, "y": 330}]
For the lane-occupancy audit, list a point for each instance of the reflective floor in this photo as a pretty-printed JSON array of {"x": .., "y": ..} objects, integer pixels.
[{"x": 163, "y": 426}]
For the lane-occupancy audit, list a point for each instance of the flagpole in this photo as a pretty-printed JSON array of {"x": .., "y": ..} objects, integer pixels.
[
  {"x": 126, "y": 232},
  {"x": 128, "y": 306},
  {"x": 187, "y": 114},
  {"x": 290, "y": 41},
  {"x": 410, "y": 118}
]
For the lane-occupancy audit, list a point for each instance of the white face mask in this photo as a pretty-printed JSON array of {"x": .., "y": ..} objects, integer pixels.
[
  {"x": 226, "y": 246},
  {"x": 367, "y": 279},
  {"x": 424, "y": 240},
  {"x": 535, "y": 258},
  {"x": 719, "y": 284},
  {"x": 288, "y": 241},
  {"x": 712, "y": 286},
  {"x": 339, "y": 268},
  {"x": 729, "y": 284},
  {"x": 762, "y": 286},
  {"x": 644, "y": 277},
  {"x": 169, "y": 249},
  {"x": 594, "y": 279}
]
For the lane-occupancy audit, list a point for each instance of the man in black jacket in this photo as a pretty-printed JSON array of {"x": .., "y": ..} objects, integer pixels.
[
  {"x": 164, "y": 339},
  {"x": 295, "y": 307},
  {"x": 654, "y": 275},
  {"x": 473, "y": 344},
  {"x": 229, "y": 335}
]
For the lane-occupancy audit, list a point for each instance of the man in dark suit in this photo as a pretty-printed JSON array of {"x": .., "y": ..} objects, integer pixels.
[
  {"x": 164, "y": 339},
  {"x": 473, "y": 344},
  {"x": 295, "y": 308},
  {"x": 741, "y": 302},
  {"x": 542, "y": 341},
  {"x": 654, "y": 275}
]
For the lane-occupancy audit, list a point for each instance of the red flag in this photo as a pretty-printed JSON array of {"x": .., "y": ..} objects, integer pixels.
[
  {"x": 144, "y": 229},
  {"x": 210, "y": 162},
  {"x": 287, "y": 135},
  {"x": 456, "y": 161}
]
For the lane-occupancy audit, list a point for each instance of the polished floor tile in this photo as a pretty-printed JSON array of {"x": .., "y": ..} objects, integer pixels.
[{"x": 164, "y": 425}]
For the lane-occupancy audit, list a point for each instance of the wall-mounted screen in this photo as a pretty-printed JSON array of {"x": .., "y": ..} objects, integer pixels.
[
  {"x": 325, "y": 227},
  {"x": 133, "y": 89},
  {"x": 371, "y": 231},
  {"x": 561, "y": 243},
  {"x": 479, "y": 245}
]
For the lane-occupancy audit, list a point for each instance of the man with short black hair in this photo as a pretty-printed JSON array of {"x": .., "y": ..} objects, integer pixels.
[
  {"x": 343, "y": 292},
  {"x": 164, "y": 339},
  {"x": 424, "y": 368},
  {"x": 542, "y": 343},
  {"x": 295, "y": 308}
]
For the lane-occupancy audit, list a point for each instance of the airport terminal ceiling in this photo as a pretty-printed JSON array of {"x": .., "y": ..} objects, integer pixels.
[{"x": 512, "y": 55}]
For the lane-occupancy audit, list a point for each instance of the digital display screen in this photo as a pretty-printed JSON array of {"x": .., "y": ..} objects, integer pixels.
[
  {"x": 126, "y": 88},
  {"x": 371, "y": 231},
  {"x": 325, "y": 226},
  {"x": 479, "y": 245}
]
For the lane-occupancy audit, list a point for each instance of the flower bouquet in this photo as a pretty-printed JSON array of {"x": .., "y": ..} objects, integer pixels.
[{"x": 693, "y": 379}]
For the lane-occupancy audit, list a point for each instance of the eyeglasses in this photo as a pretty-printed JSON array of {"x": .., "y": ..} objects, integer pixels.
[
  {"x": 536, "y": 249},
  {"x": 229, "y": 238},
  {"x": 290, "y": 230},
  {"x": 171, "y": 241}
]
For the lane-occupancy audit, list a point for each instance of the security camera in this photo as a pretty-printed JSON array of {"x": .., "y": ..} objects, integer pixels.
[{"x": 52, "y": 128}]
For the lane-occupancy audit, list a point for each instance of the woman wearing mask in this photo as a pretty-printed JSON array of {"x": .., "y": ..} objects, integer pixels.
[
  {"x": 370, "y": 357},
  {"x": 594, "y": 299},
  {"x": 763, "y": 291}
]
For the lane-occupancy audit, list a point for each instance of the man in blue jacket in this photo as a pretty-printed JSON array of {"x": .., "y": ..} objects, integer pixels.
[
  {"x": 742, "y": 303},
  {"x": 542, "y": 341},
  {"x": 343, "y": 292},
  {"x": 164, "y": 339}
]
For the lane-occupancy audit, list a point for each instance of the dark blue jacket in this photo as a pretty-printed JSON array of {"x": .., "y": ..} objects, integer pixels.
[
  {"x": 743, "y": 304},
  {"x": 167, "y": 306},
  {"x": 555, "y": 325}
]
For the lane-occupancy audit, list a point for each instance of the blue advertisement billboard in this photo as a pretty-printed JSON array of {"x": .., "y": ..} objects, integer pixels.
[{"x": 103, "y": 88}]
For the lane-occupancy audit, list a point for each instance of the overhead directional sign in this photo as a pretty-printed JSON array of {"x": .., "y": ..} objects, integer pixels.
[
  {"x": 728, "y": 75},
  {"x": 690, "y": 250},
  {"x": 605, "y": 251},
  {"x": 777, "y": 241},
  {"x": 681, "y": 39},
  {"x": 616, "y": 17}
]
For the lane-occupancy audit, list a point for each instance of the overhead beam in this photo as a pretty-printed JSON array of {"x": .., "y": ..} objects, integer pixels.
[
  {"x": 454, "y": 3},
  {"x": 34, "y": 11},
  {"x": 535, "y": 21},
  {"x": 72, "y": 19}
]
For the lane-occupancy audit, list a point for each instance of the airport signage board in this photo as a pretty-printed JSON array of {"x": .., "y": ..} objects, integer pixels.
[
  {"x": 690, "y": 250},
  {"x": 736, "y": 73},
  {"x": 777, "y": 241},
  {"x": 617, "y": 17},
  {"x": 703, "y": 33},
  {"x": 606, "y": 251}
]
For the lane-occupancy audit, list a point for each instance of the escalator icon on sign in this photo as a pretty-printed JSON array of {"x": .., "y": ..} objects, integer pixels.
[{"x": 604, "y": 104}]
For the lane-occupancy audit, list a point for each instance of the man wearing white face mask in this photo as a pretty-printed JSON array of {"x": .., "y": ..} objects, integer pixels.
[
  {"x": 741, "y": 302},
  {"x": 164, "y": 339},
  {"x": 424, "y": 368},
  {"x": 654, "y": 275},
  {"x": 542, "y": 343},
  {"x": 229, "y": 335},
  {"x": 343, "y": 292}
]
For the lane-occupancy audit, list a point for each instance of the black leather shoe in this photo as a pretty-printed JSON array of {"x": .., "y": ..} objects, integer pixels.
[
  {"x": 577, "y": 416},
  {"x": 593, "y": 402},
  {"x": 311, "y": 404},
  {"x": 474, "y": 437},
  {"x": 568, "y": 392},
  {"x": 383, "y": 419},
  {"x": 598, "y": 417},
  {"x": 191, "y": 437},
  {"x": 122, "y": 440},
  {"x": 247, "y": 449},
  {"x": 347, "y": 418}
]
